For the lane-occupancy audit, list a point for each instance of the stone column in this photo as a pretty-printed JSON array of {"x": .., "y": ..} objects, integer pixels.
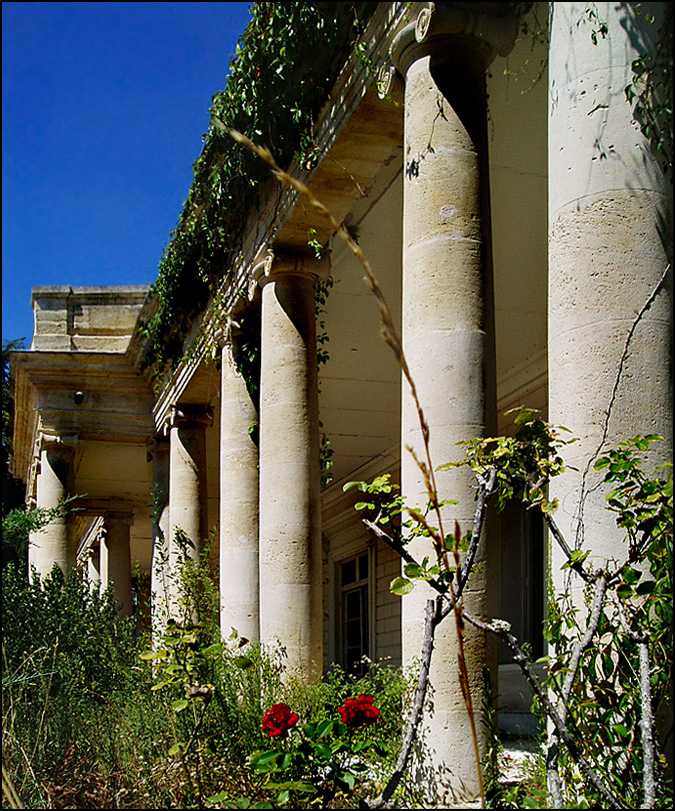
[
  {"x": 239, "y": 573},
  {"x": 187, "y": 480},
  {"x": 448, "y": 334},
  {"x": 290, "y": 501},
  {"x": 94, "y": 568},
  {"x": 158, "y": 455},
  {"x": 55, "y": 543},
  {"x": 609, "y": 214},
  {"x": 116, "y": 559}
]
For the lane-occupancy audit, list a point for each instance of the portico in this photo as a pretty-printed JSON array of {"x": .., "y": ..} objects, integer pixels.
[{"x": 443, "y": 177}]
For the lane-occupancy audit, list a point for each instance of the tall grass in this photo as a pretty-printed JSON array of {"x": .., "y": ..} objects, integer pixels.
[{"x": 82, "y": 726}]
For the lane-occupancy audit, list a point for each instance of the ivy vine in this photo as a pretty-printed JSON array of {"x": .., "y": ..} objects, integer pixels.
[
  {"x": 286, "y": 61},
  {"x": 651, "y": 90}
]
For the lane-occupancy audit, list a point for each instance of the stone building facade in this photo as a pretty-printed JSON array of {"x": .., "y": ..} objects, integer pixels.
[{"x": 519, "y": 239}]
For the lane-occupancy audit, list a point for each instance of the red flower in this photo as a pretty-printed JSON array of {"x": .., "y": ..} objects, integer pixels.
[
  {"x": 277, "y": 721},
  {"x": 359, "y": 711}
]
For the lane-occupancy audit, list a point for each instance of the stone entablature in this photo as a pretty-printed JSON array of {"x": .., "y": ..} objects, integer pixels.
[{"x": 90, "y": 319}]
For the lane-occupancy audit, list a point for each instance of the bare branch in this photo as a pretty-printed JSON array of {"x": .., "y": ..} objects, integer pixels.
[
  {"x": 501, "y": 628},
  {"x": 432, "y": 621}
]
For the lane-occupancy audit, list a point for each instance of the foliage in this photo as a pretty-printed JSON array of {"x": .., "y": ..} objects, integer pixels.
[
  {"x": 18, "y": 523},
  {"x": 651, "y": 90},
  {"x": 65, "y": 657},
  {"x": 12, "y": 488},
  {"x": 286, "y": 60},
  {"x": 607, "y": 708},
  {"x": 610, "y": 667}
]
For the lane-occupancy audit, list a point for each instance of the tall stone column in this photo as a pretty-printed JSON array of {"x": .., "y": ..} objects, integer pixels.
[
  {"x": 239, "y": 566},
  {"x": 187, "y": 481},
  {"x": 116, "y": 559},
  {"x": 448, "y": 334},
  {"x": 290, "y": 499},
  {"x": 55, "y": 543},
  {"x": 610, "y": 228},
  {"x": 158, "y": 455}
]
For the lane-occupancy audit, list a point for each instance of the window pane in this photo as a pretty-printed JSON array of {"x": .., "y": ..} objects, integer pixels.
[{"x": 348, "y": 572}]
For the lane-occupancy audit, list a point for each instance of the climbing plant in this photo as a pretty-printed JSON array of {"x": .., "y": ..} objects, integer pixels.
[{"x": 286, "y": 60}]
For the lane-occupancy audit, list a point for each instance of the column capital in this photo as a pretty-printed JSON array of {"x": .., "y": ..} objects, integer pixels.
[
  {"x": 183, "y": 415},
  {"x": 287, "y": 262},
  {"x": 495, "y": 29},
  {"x": 53, "y": 441}
]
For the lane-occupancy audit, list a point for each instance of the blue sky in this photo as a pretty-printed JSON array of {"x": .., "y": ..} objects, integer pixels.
[{"x": 103, "y": 110}]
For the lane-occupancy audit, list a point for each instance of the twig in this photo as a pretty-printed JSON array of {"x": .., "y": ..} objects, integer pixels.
[
  {"x": 562, "y": 543},
  {"x": 433, "y": 619},
  {"x": 501, "y": 628},
  {"x": 553, "y": 775},
  {"x": 485, "y": 491},
  {"x": 646, "y": 713}
]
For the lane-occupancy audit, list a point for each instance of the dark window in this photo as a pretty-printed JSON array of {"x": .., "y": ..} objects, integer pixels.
[
  {"x": 522, "y": 562},
  {"x": 353, "y": 633}
]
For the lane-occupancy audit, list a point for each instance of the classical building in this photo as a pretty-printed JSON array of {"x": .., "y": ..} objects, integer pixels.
[{"x": 522, "y": 242}]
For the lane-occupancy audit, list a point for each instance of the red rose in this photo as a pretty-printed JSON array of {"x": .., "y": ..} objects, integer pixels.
[
  {"x": 359, "y": 711},
  {"x": 277, "y": 721}
]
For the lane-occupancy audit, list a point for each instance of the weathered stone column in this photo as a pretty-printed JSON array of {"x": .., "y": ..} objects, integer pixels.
[
  {"x": 290, "y": 508},
  {"x": 448, "y": 333},
  {"x": 55, "y": 543},
  {"x": 158, "y": 455},
  {"x": 187, "y": 481},
  {"x": 609, "y": 219},
  {"x": 239, "y": 566},
  {"x": 94, "y": 568},
  {"x": 116, "y": 559}
]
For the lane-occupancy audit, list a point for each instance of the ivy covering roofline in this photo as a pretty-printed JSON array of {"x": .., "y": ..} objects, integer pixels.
[{"x": 286, "y": 61}]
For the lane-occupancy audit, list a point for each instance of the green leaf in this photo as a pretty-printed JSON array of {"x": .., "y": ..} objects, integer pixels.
[
  {"x": 401, "y": 586},
  {"x": 348, "y": 779},
  {"x": 285, "y": 761},
  {"x": 177, "y": 749},
  {"x": 180, "y": 705},
  {"x": 324, "y": 728},
  {"x": 265, "y": 761},
  {"x": 242, "y": 662},
  {"x": 309, "y": 730},
  {"x": 151, "y": 654},
  {"x": 323, "y": 751},
  {"x": 412, "y": 570},
  {"x": 624, "y": 591},
  {"x": 630, "y": 576}
]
